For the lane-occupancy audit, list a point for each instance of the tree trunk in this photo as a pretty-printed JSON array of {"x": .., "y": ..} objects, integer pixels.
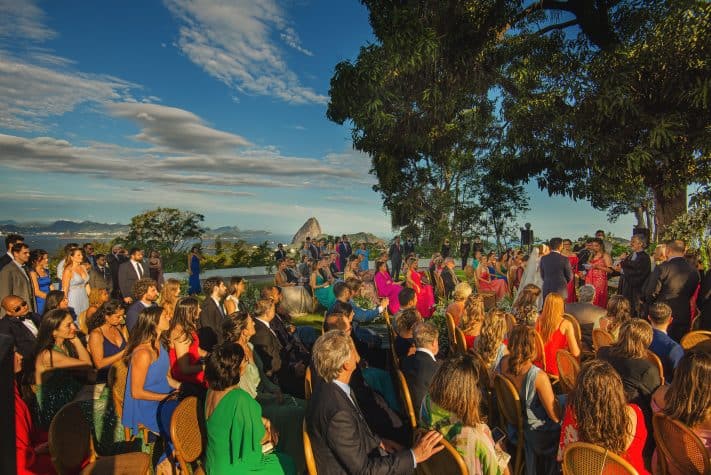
[
  {"x": 668, "y": 206},
  {"x": 639, "y": 216}
]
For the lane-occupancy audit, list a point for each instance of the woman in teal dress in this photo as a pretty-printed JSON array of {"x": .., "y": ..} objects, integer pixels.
[
  {"x": 58, "y": 350},
  {"x": 284, "y": 411},
  {"x": 321, "y": 287},
  {"x": 239, "y": 439}
]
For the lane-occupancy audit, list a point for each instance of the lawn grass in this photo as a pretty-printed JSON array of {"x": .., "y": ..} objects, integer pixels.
[{"x": 310, "y": 319}]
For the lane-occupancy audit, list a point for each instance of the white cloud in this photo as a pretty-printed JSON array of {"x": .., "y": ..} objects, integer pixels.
[
  {"x": 232, "y": 41},
  {"x": 23, "y": 19}
]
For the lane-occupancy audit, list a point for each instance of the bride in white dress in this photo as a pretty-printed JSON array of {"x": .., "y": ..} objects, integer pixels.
[{"x": 532, "y": 272}]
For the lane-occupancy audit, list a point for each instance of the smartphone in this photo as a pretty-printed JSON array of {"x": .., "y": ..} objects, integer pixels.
[{"x": 498, "y": 435}]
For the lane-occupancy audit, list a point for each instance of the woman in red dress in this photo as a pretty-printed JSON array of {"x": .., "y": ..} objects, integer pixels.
[
  {"x": 598, "y": 267},
  {"x": 425, "y": 294},
  {"x": 186, "y": 356},
  {"x": 486, "y": 283},
  {"x": 573, "y": 258},
  {"x": 598, "y": 413},
  {"x": 557, "y": 333}
]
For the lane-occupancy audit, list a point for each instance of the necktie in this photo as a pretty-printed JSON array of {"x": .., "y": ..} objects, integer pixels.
[{"x": 139, "y": 269}]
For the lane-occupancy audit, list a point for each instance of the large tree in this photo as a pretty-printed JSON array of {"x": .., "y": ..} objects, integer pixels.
[{"x": 168, "y": 230}]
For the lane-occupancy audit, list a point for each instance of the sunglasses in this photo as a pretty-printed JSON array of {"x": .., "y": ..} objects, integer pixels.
[{"x": 19, "y": 307}]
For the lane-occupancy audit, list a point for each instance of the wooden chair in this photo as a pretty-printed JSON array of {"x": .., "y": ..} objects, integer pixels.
[
  {"x": 540, "y": 352},
  {"x": 654, "y": 359},
  {"x": 451, "y": 334},
  {"x": 187, "y": 432},
  {"x": 568, "y": 369},
  {"x": 701, "y": 338},
  {"x": 461, "y": 342},
  {"x": 308, "y": 386},
  {"x": 393, "y": 353},
  {"x": 440, "y": 291},
  {"x": 680, "y": 446},
  {"x": 71, "y": 445},
  {"x": 576, "y": 328},
  {"x": 117, "y": 380},
  {"x": 581, "y": 458},
  {"x": 406, "y": 399},
  {"x": 447, "y": 461},
  {"x": 386, "y": 316},
  {"x": 308, "y": 451},
  {"x": 601, "y": 338},
  {"x": 511, "y": 412}
]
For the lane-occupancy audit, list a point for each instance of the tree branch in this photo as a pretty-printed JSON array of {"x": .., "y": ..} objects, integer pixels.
[{"x": 558, "y": 26}]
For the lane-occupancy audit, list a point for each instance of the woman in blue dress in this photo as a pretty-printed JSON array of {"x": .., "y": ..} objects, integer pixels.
[
  {"x": 74, "y": 280},
  {"x": 323, "y": 291},
  {"x": 194, "y": 258},
  {"x": 363, "y": 251},
  {"x": 107, "y": 337},
  {"x": 41, "y": 280}
]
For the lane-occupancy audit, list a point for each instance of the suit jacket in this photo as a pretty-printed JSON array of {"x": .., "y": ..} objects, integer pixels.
[
  {"x": 24, "y": 339},
  {"x": 635, "y": 273},
  {"x": 15, "y": 281},
  {"x": 127, "y": 276},
  {"x": 132, "y": 313},
  {"x": 449, "y": 279},
  {"x": 704, "y": 301},
  {"x": 395, "y": 252},
  {"x": 211, "y": 317},
  {"x": 279, "y": 254},
  {"x": 5, "y": 260},
  {"x": 101, "y": 278},
  {"x": 556, "y": 273},
  {"x": 674, "y": 282},
  {"x": 268, "y": 346},
  {"x": 341, "y": 440},
  {"x": 464, "y": 250},
  {"x": 114, "y": 262},
  {"x": 419, "y": 369}
]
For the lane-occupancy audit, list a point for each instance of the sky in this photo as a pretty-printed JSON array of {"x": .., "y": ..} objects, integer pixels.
[{"x": 108, "y": 109}]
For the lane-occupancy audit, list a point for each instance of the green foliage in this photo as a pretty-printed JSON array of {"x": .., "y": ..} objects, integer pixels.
[
  {"x": 695, "y": 226},
  {"x": 168, "y": 230}
]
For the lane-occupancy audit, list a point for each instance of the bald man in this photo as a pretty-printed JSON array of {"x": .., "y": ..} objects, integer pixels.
[{"x": 20, "y": 324}]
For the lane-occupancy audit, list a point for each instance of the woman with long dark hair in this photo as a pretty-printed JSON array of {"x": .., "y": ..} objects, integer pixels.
[
  {"x": 186, "y": 356},
  {"x": 425, "y": 294},
  {"x": 598, "y": 268},
  {"x": 107, "y": 337},
  {"x": 55, "y": 299},
  {"x": 39, "y": 275}
]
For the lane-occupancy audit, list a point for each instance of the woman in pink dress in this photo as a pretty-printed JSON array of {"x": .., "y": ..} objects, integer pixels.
[
  {"x": 486, "y": 283},
  {"x": 573, "y": 258},
  {"x": 386, "y": 287},
  {"x": 425, "y": 294},
  {"x": 597, "y": 268}
]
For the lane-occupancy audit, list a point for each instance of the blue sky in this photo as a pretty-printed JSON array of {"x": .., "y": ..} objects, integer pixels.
[{"x": 108, "y": 109}]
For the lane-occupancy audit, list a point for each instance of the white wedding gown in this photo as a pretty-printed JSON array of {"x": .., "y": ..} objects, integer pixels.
[{"x": 532, "y": 273}]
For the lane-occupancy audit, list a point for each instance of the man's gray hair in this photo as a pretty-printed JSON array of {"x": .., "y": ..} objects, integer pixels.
[
  {"x": 425, "y": 334},
  {"x": 330, "y": 353},
  {"x": 641, "y": 238},
  {"x": 586, "y": 294}
]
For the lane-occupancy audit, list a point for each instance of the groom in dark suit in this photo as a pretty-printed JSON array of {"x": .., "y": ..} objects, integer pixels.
[
  {"x": 341, "y": 440},
  {"x": 555, "y": 270}
]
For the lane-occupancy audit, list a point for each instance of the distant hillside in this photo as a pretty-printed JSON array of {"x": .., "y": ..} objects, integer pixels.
[
  {"x": 235, "y": 232},
  {"x": 62, "y": 227}
]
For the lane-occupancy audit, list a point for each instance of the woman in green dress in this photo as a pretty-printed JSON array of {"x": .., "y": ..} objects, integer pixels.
[
  {"x": 323, "y": 291},
  {"x": 239, "y": 439}
]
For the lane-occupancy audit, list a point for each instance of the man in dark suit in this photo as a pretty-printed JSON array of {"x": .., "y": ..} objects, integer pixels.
[
  {"x": 10, "y": 240},
  {"x": 212, "y": 314},
  {"x": 420, "y": 368},
  {"x": 555, "y": 270},
  {"x": 280, "y": 253},
  {"x": 100, "y": 276},
  {"x": 395, "y": 252},
  {"x": 14, "y": 279},
  {"x": 114, "y": 260},
  {"x": 344, "y": 251},
  {"x": 313, "y": 249},
  {"x": 145, "y": 294},
  {"x": 20, "y": 324},
  {"x": 464, "y": 250},
  {"x": 674, "y": 282},
  {"x": 341, "y": 440},
  {"x": 131, "y": 271},
  {"x": 635, "y": 269},
  {"x": 449, "y": 278}
]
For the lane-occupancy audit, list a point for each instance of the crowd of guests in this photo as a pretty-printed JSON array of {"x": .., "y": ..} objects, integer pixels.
[{"x": 248, "y": 364}]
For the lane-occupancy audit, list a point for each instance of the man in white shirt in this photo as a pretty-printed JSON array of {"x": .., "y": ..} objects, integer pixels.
[
  {"x": 131, "y": 271},
  {"x": 420, "y": 368}
]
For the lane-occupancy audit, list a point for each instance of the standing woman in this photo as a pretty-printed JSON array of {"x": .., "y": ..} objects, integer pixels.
[
  {"x": 155, "y": 268},
  {"x": 41, "y": 280},
  {"x": 234, "y": 292},
  {"x": 386, "y": 287},
  {"x": 567, "y": 251},
  {"x": 57, "y": 348},
  {"x": 425, "y": 294},
  {"x": 75, "y": 280},
  {"x": 107, "y": 337},
  {"x": 186, "y": 356},
  {"x": 194, "y": 258},
  {"x": 598, "y": 267}
]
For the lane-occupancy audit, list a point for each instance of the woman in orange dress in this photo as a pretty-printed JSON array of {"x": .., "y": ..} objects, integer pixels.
[
  {"x": 598, "y": 267},
  {"x": 573, "y": 258},
  {"x": 486, "y": 283},
  {"x": 425, "y": 294}
]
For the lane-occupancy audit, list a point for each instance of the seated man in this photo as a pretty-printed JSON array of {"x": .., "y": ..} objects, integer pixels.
[
  {"x": 587, "y": 314},
  {"x": 408, "y": 300},
  {"x": 341, "y": 440},
  {"x": 668, "y": 351},
  {"x": 419, "y": 369},
  {"x": 22, "y": 325},
  {"x": 288, "y": 334}
]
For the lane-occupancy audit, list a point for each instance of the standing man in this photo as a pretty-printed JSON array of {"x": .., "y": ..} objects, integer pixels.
[
  {"x": 212, "y": 314},
  {"x": 89, "y": 254},
  {"x": 634, "y": 271},
  {"x": 464, "y": 252},
  {"x": 555, "y": 270},
  {"x": 280, "y": 253},
  {"x": 674, "y": 282},
  {"x": 131, "y": 271},
  {"x": 14, "y": 279},
  {"x": 313, "y": 249},
  {"x": 449, "y": 278},
  {"x": 100, "y": 276},
  {"x": 446, "y": 249},
  {"x": 115, "y": 259},
  {"x": 10, "y": 240},
  {"x": 344, "y": 252},
  {"x": 145, "y": 294},
  {"x": 395, "y": 254}
]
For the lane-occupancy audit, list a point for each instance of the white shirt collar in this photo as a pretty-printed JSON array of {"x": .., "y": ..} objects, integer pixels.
[
  {"x": 30, "y": 326},
  {"x": 264, "y": 322},
  {"x": 346, "y": 389},
  {"x": 425, "y": 350}
]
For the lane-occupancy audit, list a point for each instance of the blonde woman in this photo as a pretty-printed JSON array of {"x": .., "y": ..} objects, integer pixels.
[
  {"x": 75, "y": 280},
  {"x": 169, "y": 295},
  {"x": 557, "y": 333},
  {"x": 461, "y": 293},
  {"x": 490, "y": 345},
  {"x": 472, "y": 318}
]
